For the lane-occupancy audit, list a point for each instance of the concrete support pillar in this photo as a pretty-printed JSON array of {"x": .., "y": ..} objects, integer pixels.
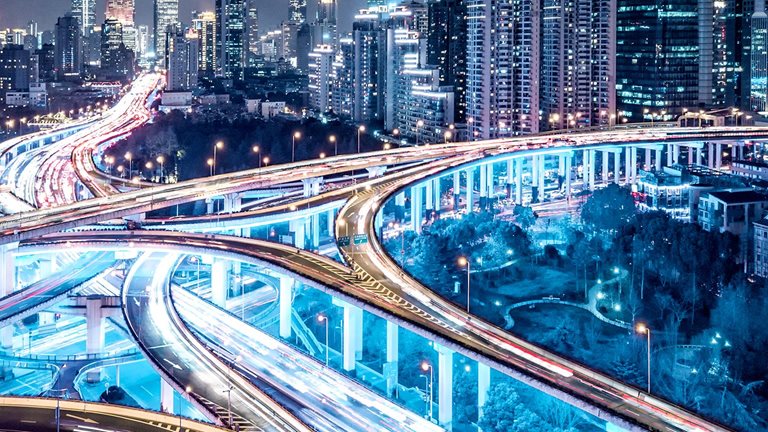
[
  {"x": 400, "y": 207},
  {"x": 534, "y": 178},
  {"x": 45, "y": 318},
  {"x": 604, "y": 177},
  {"x": 7, "y": 269},
  {"x": 690, "y": 156},
  {"x": 591, "y": 154},
  {"x": 616, "y": 166},
  {"x": 647, "y": 165},
  {"x": 633, "y": 166},
  {"x": 542, "y": 181},
  {"x": 718, "y": 156},
  {"x": 483, "y": 384},
  {"x": 568, "y": 161},
  {"x": 627, "y": 165},
  {"x": 209, "y": 206},
  {"x": 353, "y": 334},
  {"x": 331, "y": 216},
  {"x": 444, "y": 386},
  {"x": 298, "y": 229},
  {"x": 741, "y": 152},
  {"x": 491, "y": 185},
  {"x": 483, "y": 187},
  {"x": 285, "y": 301},
  {"x": 311, "y": 186},
  {"x": 436, "y": 194},
  {"x": 561, "y": 166},
  {"x": 390, "y": 367},
  {"x": 675, "y": 153},
  {"x": 456, "y": 190},
  {"x": 470, "y": 187},
  {"x": 670, "y": 154},
  {"x": 699, "y": 156},
  {"x": 657, "y": 160},
  {"x": 233, "y": 203},
  {"x": 417, "y": 215},
  {"x": 220, "y": 282},
  {"x": 518, "y": 181},
  {"x": 166, "y": 397},
  {"x": 430, "y": 199},
  {"x": 510, "y": 176},
  {"x": 314, "y": 221},
  {"x": 94, "y": 334},
  {"x": 377, "y": 171},
  {"x": 710, "y": 155}
]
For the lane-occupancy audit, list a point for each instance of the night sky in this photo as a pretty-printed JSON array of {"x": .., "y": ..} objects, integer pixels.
[{"x": 16, "y": 13}]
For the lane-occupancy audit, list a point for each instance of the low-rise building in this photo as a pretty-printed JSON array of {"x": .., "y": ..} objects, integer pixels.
[
  {"x": 732, "y": 210},
  {"x": 750, "y": 169},
  {"x": 760, "y": 241}
]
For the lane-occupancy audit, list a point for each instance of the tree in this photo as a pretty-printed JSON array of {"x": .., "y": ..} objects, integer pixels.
[
  {"x": 609, "y": 208},
  {"x": 525, "y": 216},
  {"x": 505, "y": 412}
]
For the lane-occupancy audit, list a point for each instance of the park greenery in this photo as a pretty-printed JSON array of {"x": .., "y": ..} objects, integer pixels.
[{"x": 686, "y": 284}]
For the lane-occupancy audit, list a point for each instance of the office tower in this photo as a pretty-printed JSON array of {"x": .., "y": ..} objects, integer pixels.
[
  {"x": 124, "y": 12},
  {"x": 289, "y": 35},
  {"x": 142, "y": 40},
  {"x": 68, "y": 46},
  {"x": 30, "y": 42},
  {"x": 46, "y": 37},
  {"x": 447, "y": 49},
  {"x": 32, "y": 28},
  {"x": 343, "y": 78},
  {"x": 369, "y": 41},
  {"x": 297, "y": 11},
  {"x": 14, "y": 69},
  {"x": 502, "y": 84},
  {"x": 230, "y": 24},
  {"x": 324, "y": 30},
  {"x": 46, "y": 61},
  {"x": 303, "y": 47},
  {"x": 320, "y": 71},
  {"x": 657, "y": 58},
  {"x": 578, "y": 66},
  {"x": 166, "y": 16},
  {"x": 207, "y": 38},
  {"x": 182, "y": 60},
  {"x": 85, "y": 12},
  {"x": 116, "y": 58},
  {"x": 252, "y": 32},
  {"x": 759, "y": 71}
]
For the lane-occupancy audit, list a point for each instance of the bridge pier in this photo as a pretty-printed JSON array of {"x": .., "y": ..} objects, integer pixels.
[
  {"x": 491, "y": 186},
  {"x": 437, "y": 195},
  {"x": 542, "y": 181},
  {"x": 483, "y": 188},
  {"x": 456, "y": 190},
  {"x": 390, "y": 367},
  {"x": 311, "y": 186},
  {"x": 352, "y": 332},
  {"x": 417, "y": 215},
  {"x": 94, "y": 335},
  {"x": 376, "y": 171},
  {"x": 657, "y": 160},
  {"x": 209, "y": 206},
  {"x": 298, "y": 229},
  {"x": 444, "y": 386},
  {"x": 166, "y": 397},
  {"x": 285, "y": 300},
  {"x": 534, "y": 179},
  {"x": 590, "y": 165},
  {"x": 710, "y": 155},
  {"x": 699, "y": 156},
  {"x": 430, "y": 199},
  {"x": 718, "y": 156},
  {"x": 617, "y": 166},
  {"x": 330, "y": 224},
  {"x": 220, "y": 283},
  {"x": 518, "y": 181},
  {"x": 510, "y": 163},
  {"x": 7, "y": 286},
  {"x": 483, "y": 384},
  {"x": 605, "y": 167},
  {"x": 233, "y": 203},
  {"x": 647, "y": 164},
  {"x": 568, "y": 161},
  {"x": 400, "y": 207},
  {"x": 470, "y": 188}
]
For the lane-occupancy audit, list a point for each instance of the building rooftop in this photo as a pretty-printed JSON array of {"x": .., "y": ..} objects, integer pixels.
[{"x": 738, "y": 197}]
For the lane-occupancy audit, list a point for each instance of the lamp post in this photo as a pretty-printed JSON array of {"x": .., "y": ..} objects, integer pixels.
[
  {"x": 447, "y": 136},
  {"x": 256, "y": 150},
  {"x": 419, "y": 124},
  {"x": 161, "y": 161},
  {"x": 463, "y": 261},
  {"x": 129, "y": 156},
  {"x": 332, "y": 140},
  {"x": 149, "y": 166},
  {"x": 296, "y": 135},
  {"x": 216, "y": 146},
  {"x": 266, "y": 161},
  {"x": 642, "y": 328},
  {"x": 426, "y": 367},
  {"x": 360, "y": 130},
  {"x": 324, "y": 319},
  {"x": 210, "y": 165}
]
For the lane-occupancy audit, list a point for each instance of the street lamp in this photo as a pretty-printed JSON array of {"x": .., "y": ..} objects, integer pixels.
[
  {"x": 210, "y": 165},
  {"x": 360, "y": 130},
  {"x": 149, "y": 166},
  {"x": 121, "y": 170},
  {"x": 463, "y": 261},
  {"x": 426, "y": 367},
  {"x": 324, "y": 319},
  {"x": 256, "y": 150},
  {"x": 129, "y": 156},
  {"x": 419, "y": 124},
  {"x": 332, "y": 140},
  {"x": 296, "y": 135},
  {"x": 642, "y": 328},
  {"x": 447, "y": 136},
  {"x": 266, "y": 160},
  {"x": 218, "y": 145},
  {"x": 161, "y": 161}
]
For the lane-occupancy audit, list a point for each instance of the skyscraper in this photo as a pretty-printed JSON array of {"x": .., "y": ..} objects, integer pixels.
[
  {"x": 207, "y": 40},
  {"x": 14, "y": 69},
  {"x": 657, "y": 58},
  {"x": 230, "y": 25},
  {"x": 759, "y": 70},
  {"x": 503, "y": 83},
  {"x": 68, "y": 46},
  {"x": 297, "y": 11},
  {"x": 85, "y": 12},
  {"x": 124, "y": 12},
  {"x": 182, "y": 61},
  {"x": 324, "y": 31},
  {"x": 447, "y": 48},
  {"x": 166, "y": 16},
  {"x": 252, "y": 32},
  {"x": 369, "y": 41},
  {"x": 578, "y": 67},
  {"x": 320, "y": 71}
]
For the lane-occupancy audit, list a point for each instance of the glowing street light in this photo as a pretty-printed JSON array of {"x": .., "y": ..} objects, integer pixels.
[
  {"x": 324, "y": 319},
  {"x": 129, "y": 156},
  {"x": 426, "y": 367},
  {"x": 218, "y": 145},
  {"x": 643, "y": 328},
  {"x": 161, "y": 161},
  {"x": 210, "y": 165},
  {"x": 463, "y": 261},
  {"x": 296, "y": 135},
  {"x": 332, "y": 140},
  {"x": 256, "y": 150},
  {"x": 360, "y": 130}
]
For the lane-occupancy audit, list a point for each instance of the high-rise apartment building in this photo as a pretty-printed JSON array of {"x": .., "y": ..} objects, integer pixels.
[
  {"x": 503, "y": 82},
  {"x": 182, "y": 51},
  {"x": 85, "y": 12},
  {"x": 252, "y": 32},
  {"x": 320, "y": 75},
  {"x": 68, "y": 46},
  {"x": 124, "y": 12},
  {"x": 207, "y": 39},
  {"x": 758, "y": 98},
  {"x": 343, "y": 78},
  {"x": 166, "y": 17},
  {"x": 230, "y": 25},
  {"x": 369, "y": 39},
  {"x": 14, "y": 69},
  {"x": 297, "y": 11},
  {"x": 116, "y": 59},
  {"x": 578, "y": 63}
]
